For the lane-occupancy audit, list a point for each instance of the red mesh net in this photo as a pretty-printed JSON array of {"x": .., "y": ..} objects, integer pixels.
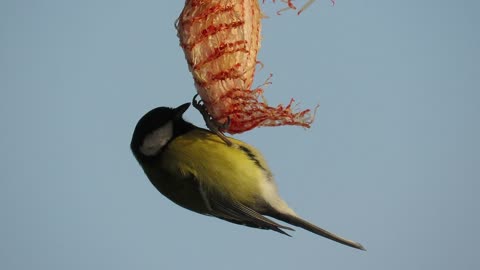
[
  {"x": 290, "y": 5},
  {"x": 221, "y": 39}
]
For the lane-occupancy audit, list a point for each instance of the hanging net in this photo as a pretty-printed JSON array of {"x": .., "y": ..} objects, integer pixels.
[{"x": 221, "y": 39}]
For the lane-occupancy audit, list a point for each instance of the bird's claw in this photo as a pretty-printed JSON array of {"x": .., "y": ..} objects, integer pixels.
[{"x": 211, "y": 124}]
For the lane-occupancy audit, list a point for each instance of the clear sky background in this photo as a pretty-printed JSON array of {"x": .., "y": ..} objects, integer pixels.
[{"x": 392, "y": 160}]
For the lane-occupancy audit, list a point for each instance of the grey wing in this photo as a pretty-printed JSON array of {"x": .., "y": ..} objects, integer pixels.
[{"x": 238, "y": 213}]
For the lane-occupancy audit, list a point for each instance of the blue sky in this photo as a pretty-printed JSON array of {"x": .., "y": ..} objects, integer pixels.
[{"x": 392, "y": 160}]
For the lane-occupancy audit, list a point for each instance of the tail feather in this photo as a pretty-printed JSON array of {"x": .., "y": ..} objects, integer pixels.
[{"x": 297, "y": 221}]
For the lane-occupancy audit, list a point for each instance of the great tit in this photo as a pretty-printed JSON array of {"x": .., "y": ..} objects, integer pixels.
[{"x": 197, "y": 170}]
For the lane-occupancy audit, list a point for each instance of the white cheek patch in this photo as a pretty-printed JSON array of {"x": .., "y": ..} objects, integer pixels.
[{"x": 154, "y": 141}]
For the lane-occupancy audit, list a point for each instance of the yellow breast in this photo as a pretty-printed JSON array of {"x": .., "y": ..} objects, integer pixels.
[{"x": 236, "y": 171}]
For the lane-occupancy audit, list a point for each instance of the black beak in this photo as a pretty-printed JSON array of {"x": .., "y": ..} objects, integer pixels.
[{"x": 181, "y": 109}]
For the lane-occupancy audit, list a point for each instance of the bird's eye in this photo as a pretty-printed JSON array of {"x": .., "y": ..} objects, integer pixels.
[{"x": 157, "y": 139}]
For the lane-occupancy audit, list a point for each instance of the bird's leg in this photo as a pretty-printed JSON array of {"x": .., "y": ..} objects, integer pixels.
[{"x": 211, "y": 124}]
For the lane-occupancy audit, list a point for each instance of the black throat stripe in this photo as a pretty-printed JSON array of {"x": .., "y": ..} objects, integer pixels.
[{"x": 251, "y": 156}]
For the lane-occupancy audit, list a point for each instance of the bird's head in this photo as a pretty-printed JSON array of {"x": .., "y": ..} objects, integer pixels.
[{"x": 155, "y": 130}]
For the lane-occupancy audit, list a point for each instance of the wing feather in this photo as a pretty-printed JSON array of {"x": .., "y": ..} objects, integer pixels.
[{"x": 236, "y": 212}]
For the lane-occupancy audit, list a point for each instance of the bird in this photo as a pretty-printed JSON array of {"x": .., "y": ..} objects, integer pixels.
[{"x": 199, "y": 171}]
